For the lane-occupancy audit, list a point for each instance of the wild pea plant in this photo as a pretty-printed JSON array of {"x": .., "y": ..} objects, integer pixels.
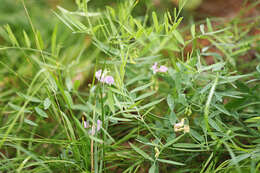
[{"x": 126, "y": 97}]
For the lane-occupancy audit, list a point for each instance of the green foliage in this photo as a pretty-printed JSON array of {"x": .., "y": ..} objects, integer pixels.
[{"x": 48, "y": 92}]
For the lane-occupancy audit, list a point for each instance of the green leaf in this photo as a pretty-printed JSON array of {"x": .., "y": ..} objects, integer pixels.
[
  {"x": 30, "y": 98},
  {"x": 193, "y": 31},
  {"x": 81, "y": 107},
  {"x": 53, "y": 40},
  {"x": 40, "y": 112},
  {"x": 26, "y": 39},
  {"x": 214, "y": 125},
  {"x": 30, "y": 122},
  {"x": 53, "y": 84},
  {"x": 222, "y": 109},
  {"x": 182, "y": 3},
  {"x": 115, "y": 119},
  {"x": 231, "y": 79},
  {"x": 18, "y": 108},
  {"x": 39, "y": 41},
  {"x": 111, "y": 102},
  {"x": 141, "y": 87},
  {"x": 151, "y": 104},
  {"x": 170, "y": 162},
  {"x": 239, "y": 158},
  {"x": 46, "y": 103},
  {"x": 68, "y": 99},
  {"x": 154, "y": 168},
  {"x": 175, "y": 25},
  {"x": 202, "y": 29},
  {"x": 196, "y": 135},
  {"x": 134, "y": 104},
  {"x": 209, "y": 25},
  {"x": 172, "y": 118},
  {"x": 166, "y": 23},
  {"x": 178, "y": 37},
  {"x": 187, "y": 145},
  {"x": 172, "y": 141},
  {"x": 213, "y": 67},
  {"x": 141, "y": 152},
  {"x": 170, "y": 102},
  {"x": 240, "y": 51},
  {"x": 135, "y": 79},
  {"x": 11, "y": 35},
  {"x": 155, "y": 21},
  {"x": 252, "y": 120},
  {"x": 69, "y": 84},
  {"x": 258, "y": 68},
  {"x": 145, "y": 95}
]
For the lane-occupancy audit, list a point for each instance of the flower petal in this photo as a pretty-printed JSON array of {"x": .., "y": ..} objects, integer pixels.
[
  {"x": 98, "y": 74},
  {"x": 109, "y": 80},
  {"x": 163, "y": 69},
  {"x": 86, "y": 124},
  {"x": 99, "y": 123},
  {"x": 154, "y": 67}
]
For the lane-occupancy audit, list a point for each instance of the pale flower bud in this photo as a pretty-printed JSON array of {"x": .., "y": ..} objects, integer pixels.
[{"x": 186, "y": 128}]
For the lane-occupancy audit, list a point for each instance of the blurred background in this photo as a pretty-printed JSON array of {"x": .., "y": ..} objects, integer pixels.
[
  {"x": 223, "y": 13},
  {"x": 12, "y": 12}
]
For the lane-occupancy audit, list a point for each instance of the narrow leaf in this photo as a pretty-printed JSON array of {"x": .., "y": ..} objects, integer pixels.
[
  {"x": 46, "y": 103},
  {"x": 171, "y": 162},
  {"x": 30, "y": 122},
  {"x": 40, "y": 112},
  {"x": 141, "y": 152},
  {"x": 26, "y": 39},
  {"x": 155, "y": 21}
]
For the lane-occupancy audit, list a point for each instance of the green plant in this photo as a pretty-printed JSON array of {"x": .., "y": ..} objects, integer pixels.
[{"x": 189, "y": 117}]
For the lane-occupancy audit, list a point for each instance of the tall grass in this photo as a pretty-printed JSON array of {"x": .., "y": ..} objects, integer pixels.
[{"x": 195, "y": 117}]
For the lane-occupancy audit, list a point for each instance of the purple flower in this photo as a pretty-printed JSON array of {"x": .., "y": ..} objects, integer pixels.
[
  {"x": 163, "y": 69},
  {"x": 93, "y": 130},
  {"x": 109, "y": 80},
  {"x": 154, "y": 67},
  {"x": 102, "y": 80},
  {"x": 99, "y": 124},
  {"x": 86, "y": 124},
  {"x": 98, "y": 74},
  {"x": 101, "y": 76}
]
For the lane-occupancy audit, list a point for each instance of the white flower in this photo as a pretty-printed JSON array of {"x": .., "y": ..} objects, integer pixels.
[{"x": 181, "y": 127}]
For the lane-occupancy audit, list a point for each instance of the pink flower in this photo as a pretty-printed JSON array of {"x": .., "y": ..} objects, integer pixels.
[
  {"x": 86, "y": 124},
  {"x": 109, "y": 80},
  {"x": 154, "y": 67},
  {"x": 162, "y": 68},
  {"x": 103, "y": 78},
  {"x": 98, "y": 74},
  {"x": 99, "y": 124},
  {"x": 94, "y": 128}
]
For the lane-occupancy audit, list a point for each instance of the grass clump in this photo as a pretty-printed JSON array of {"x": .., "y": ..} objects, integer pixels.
[{"x": 112, "y": 91}]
